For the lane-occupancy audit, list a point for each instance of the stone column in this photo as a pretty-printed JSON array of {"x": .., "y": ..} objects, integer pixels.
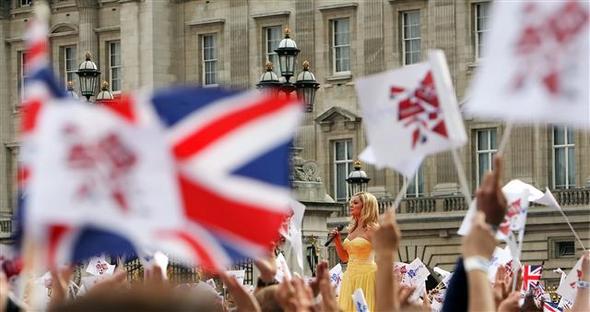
[
  {"x": 238, "y": 28},
  {"x": 304, "y": 34},
  {"x": 87, "y": 38},
  {"x": 130, "y": 44},
  {"x": 6, "y": 119},
  {"x": 372, "y": 21}
]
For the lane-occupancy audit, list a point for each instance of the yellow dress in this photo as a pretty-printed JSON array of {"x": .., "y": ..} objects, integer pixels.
[{"x": 360, "y": 273}]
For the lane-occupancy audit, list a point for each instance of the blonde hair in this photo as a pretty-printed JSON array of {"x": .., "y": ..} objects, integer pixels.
[{"x": 369, "y": 214}]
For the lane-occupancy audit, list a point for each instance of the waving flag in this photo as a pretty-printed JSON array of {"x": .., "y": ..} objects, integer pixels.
[
  {"x": 537, "y": 58},
  {"x": 409, "y": 113},
  {"x": 336, "y": 277},
  {"x": 189, "y": 171},
  {"x": 568, "y": 287},
  {"x": 531, "y": 275}
]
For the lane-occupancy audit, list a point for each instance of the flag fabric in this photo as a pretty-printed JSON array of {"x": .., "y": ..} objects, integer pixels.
[
  {"x": 409, "y": 113},
  {"x": 186, "y": 170},
  {"x": 98, "y": 266},
  {"x": 567, "y": 289},
  {"x": 360, "y": 303},
  {"x": 240, "y": 275},
  {"x": 416, "y": 273},
  {"x": 336, "y": 277},
  {"x": 283, "y": 272},
  {"x": 537, "y": 56},
  {"x": 518, "y": 195},
  {"x": 501, "y": 256},
  {"x": 531, "y": 275},
  {"x": 292, "y": 231},
  {"x": 550, "y": 306},
  {"x": 562, "y": 275}
]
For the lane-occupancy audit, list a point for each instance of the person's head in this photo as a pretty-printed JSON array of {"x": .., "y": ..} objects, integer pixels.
[
  {"x": 267, "y": 299},
  {"x": 363, "y": 209}
]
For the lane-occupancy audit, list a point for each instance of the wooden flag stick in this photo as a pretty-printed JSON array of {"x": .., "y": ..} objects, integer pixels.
[{"x": 462, "y": 177}]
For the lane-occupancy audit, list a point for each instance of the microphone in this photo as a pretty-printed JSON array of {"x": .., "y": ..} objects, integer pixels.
[{"x": 331, "y": 238}]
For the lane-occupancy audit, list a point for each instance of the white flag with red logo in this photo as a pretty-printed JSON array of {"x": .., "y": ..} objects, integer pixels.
[
  {"x": 98, "y": 266},
  {"x": 410, "y": 112},
  {"x": 567, "y": 288},
  {"x": 536, "y": 64}
]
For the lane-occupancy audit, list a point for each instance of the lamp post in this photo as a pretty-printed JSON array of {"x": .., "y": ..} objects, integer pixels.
[
  {"x": 357, "y": 180},
  {"x": 88, "y": 73},
  {"x": 306, "y": 85}
]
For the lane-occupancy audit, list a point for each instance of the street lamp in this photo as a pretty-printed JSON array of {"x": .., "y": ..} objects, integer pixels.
[
  {"x": 306, "y": 85},
  {"x": 105, "y": 94},
  {"x": 287, "y": 52},
  {"x": 88, "y": 73},
  {"x": 357, "y": 179}
]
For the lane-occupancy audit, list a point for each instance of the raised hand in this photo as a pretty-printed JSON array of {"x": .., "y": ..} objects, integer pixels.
[
  {"x": 490, "y": 199},
  {"x": 387, "y": 236},
  {"x": 480, "y": 241}
]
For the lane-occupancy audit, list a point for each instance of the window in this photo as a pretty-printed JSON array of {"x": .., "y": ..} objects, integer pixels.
[
  {"x": 342, "y": 167},
  {"x": 416, "y": 185},
  {"x": 411, "y": 52},
  {"x": 341, "y": 45},
  {"x": 563, "y": 248},
  {"x": 24, "y": 3},
  {"x": 70, "y": 65},
  {"x": 485, "y": 150},
  {"x": 564, "y": 161},
  {"x": 209, "y": 57},
  {"x": 272, "y": 37},
  {"x": 115, "y": 65},
  {"x": 22, "y": 75},
  {"x": 482, "y": 11}
]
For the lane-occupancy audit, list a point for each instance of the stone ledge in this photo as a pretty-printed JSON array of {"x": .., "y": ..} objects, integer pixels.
[
  {"x": 206, "y": 22},
  {"x": 270, "y": 14},
  {"x": 351, "y": 5}
]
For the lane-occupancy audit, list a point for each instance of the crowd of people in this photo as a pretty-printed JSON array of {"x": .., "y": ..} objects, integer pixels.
[{"x": 370, "y": 251}]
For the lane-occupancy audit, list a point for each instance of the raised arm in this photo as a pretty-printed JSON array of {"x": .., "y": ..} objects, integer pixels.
[
  {"x": 342, "y": 253},
  {"x": 386, "y": 240},
  {"x": 583, "y": 294}
]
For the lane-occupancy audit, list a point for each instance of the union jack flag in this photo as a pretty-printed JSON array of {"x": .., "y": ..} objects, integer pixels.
[
  {"x": 531, "y": 275},
  {"x": 550, "y": 306},
  {"x": 224, "y": 157}
]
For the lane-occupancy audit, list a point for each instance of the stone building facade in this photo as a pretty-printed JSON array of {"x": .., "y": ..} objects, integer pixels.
[{"x": 153, "y": 43}]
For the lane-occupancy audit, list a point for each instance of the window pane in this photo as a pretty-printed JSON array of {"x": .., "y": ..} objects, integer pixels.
[
  {"x": 558, "y": 135},
  {"x": 482, "y": 140},
  {"x": 559, "y": 167},
  {"x": 570, "y": 136},
  {"x": 349, "y": 149},
  {"x": 340, "y": 181},
  {"x": 340, "y": 150},
  {"x": 571, "y": 164},
  {"x": 484, "y": 165}
]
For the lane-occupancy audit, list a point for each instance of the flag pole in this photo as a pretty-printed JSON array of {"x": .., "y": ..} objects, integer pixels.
[
  {"x": 572, "y": 228},
  {"x": 462, "y": 177},
  {"x": 505, "y": 137},
  {"x": 400, "y": 195}
]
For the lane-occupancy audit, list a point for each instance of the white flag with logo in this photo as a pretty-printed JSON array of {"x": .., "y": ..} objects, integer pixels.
[
  {"x": 410, "y": 112},
  {"x": 360, "y": 303},
  {"x": 98, "y": 266},
  {"x": 283, "y": 271},
  {"x": 336, "y": 277},
  {"x": 567, "y": 288},
  {"x": 536, "y": 64}
]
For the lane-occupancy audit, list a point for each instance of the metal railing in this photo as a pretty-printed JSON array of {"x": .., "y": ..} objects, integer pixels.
[{"x": 430, "y": 204}]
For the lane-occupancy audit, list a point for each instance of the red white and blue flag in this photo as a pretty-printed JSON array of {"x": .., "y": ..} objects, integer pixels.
[
  {"x": 531, "y": 275},
  {"x": 202, "y": 174}
]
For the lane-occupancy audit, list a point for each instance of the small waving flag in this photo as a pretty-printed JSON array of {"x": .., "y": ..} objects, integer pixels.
[
  {"x": 536, "y": 67},
  {"x": 409, "y": 113}
]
